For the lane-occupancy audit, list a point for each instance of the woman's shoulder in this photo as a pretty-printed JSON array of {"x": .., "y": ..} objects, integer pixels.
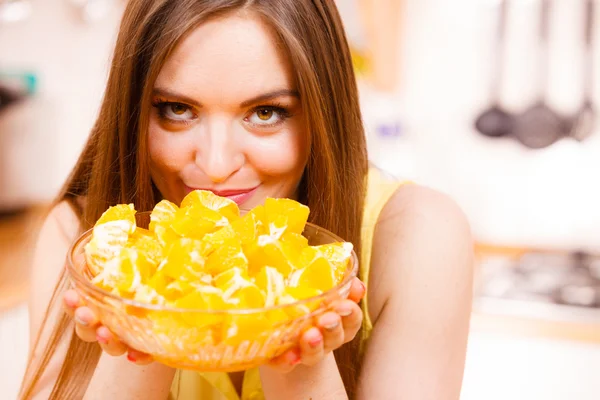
[
  {"x": 422, "y": 204},
  {"x": 65, "y": 217},
  {"x": 420, "y": 233}
]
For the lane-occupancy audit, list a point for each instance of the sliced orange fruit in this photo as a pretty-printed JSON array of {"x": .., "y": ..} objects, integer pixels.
[
  {"x": 271, "y": 282},
  {"x": 163, "y": 213},
  {"x": 161, "y": 218},
  {"x": 296, "y": 214},
  {"x": 320, "y": 275},
  {"x": 293, "y": 295},
  {"x": 241, "y": 328},
  {"x": 238, "y": 290},
  {"x": 185, "y": 259},
  {"x": 146, "y": 294},
  {"x": 196, "y": 221},
  {"x": 123, "y": 213},
  {"x": 282, "y": 254},
  {"x": 247, "y": 228},
  {"x": 204, "y": 257},
  {"x": 229, "y": 255},
  {"x": 109, "y": 236},
  {"x": 219, "y": 237},
  {"x": 125, "y": 273},
  {"x": 224, "y": 206},
  {"x": 203, "y": 298},
  {"x": 338, "y": 255},
  {"x": 147, "y": 243}
]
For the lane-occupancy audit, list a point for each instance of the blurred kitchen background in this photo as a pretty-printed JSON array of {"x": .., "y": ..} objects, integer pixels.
[{"x": 486, "y": 100}]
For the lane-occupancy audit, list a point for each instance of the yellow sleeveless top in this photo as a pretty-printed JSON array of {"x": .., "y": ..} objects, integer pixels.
[{"x": 191, "y": 385}]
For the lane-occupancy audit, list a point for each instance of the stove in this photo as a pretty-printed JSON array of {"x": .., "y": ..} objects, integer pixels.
[{"x": 555, "y": 286}]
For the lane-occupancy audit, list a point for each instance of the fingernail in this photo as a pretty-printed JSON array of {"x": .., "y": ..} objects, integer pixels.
[
  {"x": 80, "y": 321},
  {"x": 331, "y": 326},
  {"x": 101, "y": 339},
  {"x": 364, "y": 287},
  {"x": 70, "y": 302},
  {"x": 294, "y": 358},
  {"x": 130, "y": 357},
  {"x": 316, "y": 341},
  {"x": 344, "y": 312}
]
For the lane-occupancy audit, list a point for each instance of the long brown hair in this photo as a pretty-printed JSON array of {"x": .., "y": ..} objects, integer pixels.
[{"x": 113, "y": 167}]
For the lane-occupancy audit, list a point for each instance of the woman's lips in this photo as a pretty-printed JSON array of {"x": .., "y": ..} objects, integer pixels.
[{"x": 240, "y": 196}]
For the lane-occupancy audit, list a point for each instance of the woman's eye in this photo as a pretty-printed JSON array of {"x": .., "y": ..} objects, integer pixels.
[
  {"x": 266, "y": 116},
  {"x": 175, "y": 111}
]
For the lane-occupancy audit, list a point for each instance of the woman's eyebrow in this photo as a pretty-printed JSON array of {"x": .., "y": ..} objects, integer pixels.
[
  {"x": 157, "y": 91},
  {"x": 269, "y": 96}
]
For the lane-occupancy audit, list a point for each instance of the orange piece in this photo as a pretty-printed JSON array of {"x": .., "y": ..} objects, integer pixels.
[
  {"x": 240, "y": 328},
  {"x": 161, "y": 218},
  {"x": 196, "y": 221},
  {"x": 203, "y": 298},
  {"x": 319, "y": 275},
  {"x": 185, "y": 260},
  {"x": 238, "y": 290},
  {"x": 283, "y": 254},
  {"x": 162, "y": 214},
  {"x": 228, "y": 255},
  {"x": 219, "y": 237},
  {"x": 109, "y": 236},
  {"x": 224, "y": 206},
  {"x": 126, "y": 273},
  {"x": 147, "y": 294},
  {"x": 272, "y": 282},
  {"x": 147, "y": 243},
  {"x": 293, "y": 295},
  {"x": 295, "y": 214},
  {"x": 120, "y": 212},
  {"x": 338, "y": 255},
  {"x": 247, "y": 228}
]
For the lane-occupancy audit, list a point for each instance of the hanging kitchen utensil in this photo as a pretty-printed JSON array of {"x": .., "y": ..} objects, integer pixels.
[
  {"x": 496, "y": 121},
  {"x": 540, "y": 126},
  {"x": 583, "y": 121}
]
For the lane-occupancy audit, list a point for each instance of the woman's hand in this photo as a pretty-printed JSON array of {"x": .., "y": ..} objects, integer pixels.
[
  {"x": 332, "y": 330},
  {"x": 89, "y": 329}
]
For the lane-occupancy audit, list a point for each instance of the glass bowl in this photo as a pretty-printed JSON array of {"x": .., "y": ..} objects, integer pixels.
[{"x": 192, "y": 339}]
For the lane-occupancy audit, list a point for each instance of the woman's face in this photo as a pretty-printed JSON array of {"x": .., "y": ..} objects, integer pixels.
[{"x": 227, "y": 117}]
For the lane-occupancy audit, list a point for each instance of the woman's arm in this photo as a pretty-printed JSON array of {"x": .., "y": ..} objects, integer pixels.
[
  {"x": 114, "y": 378},
  {"x": 322, "y": 381},
  {"x": 420, "y": 293}
]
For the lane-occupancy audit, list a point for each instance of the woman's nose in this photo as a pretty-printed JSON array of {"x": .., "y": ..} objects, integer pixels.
[{"x": 219, "y": 155}]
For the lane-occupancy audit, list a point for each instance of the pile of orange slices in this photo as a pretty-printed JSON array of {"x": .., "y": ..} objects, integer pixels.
[{"x": 204, "y": 255}]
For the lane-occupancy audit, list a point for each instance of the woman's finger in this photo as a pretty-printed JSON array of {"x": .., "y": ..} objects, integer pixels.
[
  {"x": 357, "y": 290},
  {"x": 85, "y": 324},
  {"x": 71, "y": 302},
  {"x": 352, "y": 317},
  {"x": 330, "y": 325},
  {"x": 311, "y": 347},
  {"x": 287, "y": 361},
  {"x": 109, "y": 342},
  {"x": 139, "y": 358}
]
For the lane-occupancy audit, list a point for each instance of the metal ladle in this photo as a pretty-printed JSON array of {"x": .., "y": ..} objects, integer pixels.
[
  {"x": 583, "y": 122},
  {"x": 539, "y": 126},
  {"x": 495, "y": 121}
]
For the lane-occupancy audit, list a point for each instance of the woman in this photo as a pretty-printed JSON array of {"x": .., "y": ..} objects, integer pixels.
[{"x": 256, "y": 99}]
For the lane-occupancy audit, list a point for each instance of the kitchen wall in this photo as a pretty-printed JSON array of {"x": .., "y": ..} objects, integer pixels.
[
  {"x": 40, "y": 140},
  {"x": 547, "y": 197},
  {"x": 511, "y": 195}
]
